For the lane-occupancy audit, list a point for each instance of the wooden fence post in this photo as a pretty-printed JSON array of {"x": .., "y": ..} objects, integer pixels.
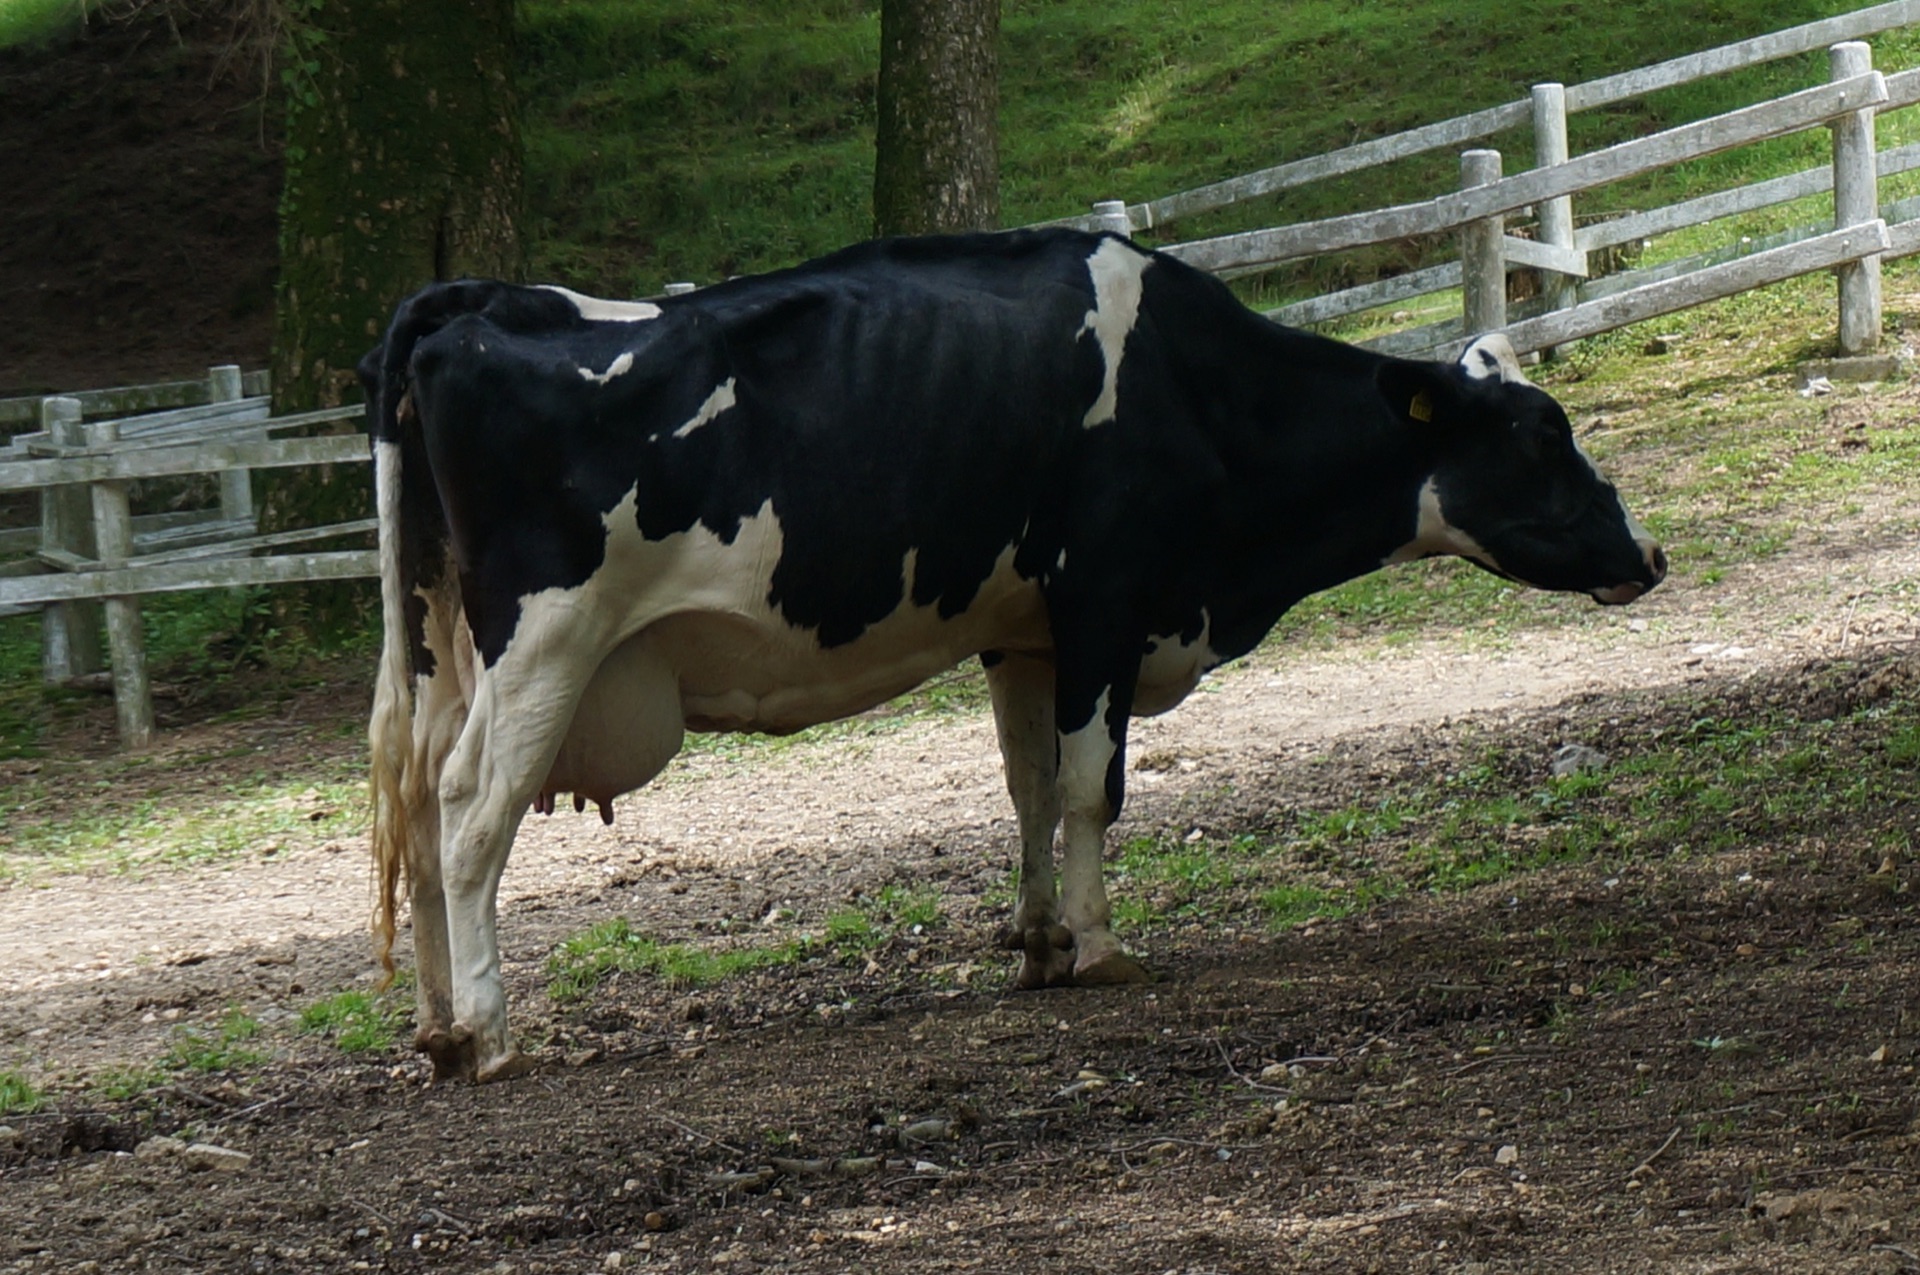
[
  {"x": 1556, "y": 215},
  {"x": 1483, "y": 255},
  {"x": 1856, "y": 198},
  {"x": 113, "y": 531},
  {"x": 236, "y": 485},
  {"x": 69, "y": 631},
  {"x": 1111, "y": 214}
]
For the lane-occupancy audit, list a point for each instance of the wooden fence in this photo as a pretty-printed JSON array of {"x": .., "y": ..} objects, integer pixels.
[
  {"x": 91, "y": 560},
  {"x": 1573, "y": 303},
  {"x": 90, "y": 552}
]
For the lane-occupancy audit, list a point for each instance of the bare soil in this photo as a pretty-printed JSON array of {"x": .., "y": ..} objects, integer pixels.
[{"x": 1431, "y": 1084}]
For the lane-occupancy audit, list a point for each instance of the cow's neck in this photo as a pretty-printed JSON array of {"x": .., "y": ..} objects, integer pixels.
[{"x": 1341, "y": 498}]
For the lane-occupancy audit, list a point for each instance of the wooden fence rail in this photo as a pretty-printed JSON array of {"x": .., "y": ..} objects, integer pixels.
[
  {"x": 90, "y": 561},
  {"x": 1445, "y": 134}
]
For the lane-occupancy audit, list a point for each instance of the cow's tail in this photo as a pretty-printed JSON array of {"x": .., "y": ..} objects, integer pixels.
[
  {"x": 414, "y": 570},
  {"x": 390, "y": 730}
]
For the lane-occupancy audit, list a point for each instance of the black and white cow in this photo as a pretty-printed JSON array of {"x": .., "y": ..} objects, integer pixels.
[{"x": 784, "y": 499}]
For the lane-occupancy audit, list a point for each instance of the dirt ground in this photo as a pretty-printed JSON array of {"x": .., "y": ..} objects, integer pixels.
[{"x": 1432, "y": 1084}]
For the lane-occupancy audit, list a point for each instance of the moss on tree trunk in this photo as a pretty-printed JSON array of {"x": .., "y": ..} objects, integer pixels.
[
  {"x": 937, "y": 150},
  {"x": 403, "y": 165}
]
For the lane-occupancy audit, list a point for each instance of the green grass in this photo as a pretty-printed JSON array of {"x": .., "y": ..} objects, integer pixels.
[
  {"x": 232, "y": 1044},
  {"x": 1727, "y": 779},
  {"x": 356, "y": 1022},
  {"x": 207, "y": 639},
  {"x": 671, "y": 141},
  {"x": 24, "y": 21},
  {"x": 194, "y": 828},
  {"x": 224, "y": 1048},
  {"x": 17, "y": 1094},
  {"x": 123, "y": 1083},
  {"x": 587, "y": 960}
]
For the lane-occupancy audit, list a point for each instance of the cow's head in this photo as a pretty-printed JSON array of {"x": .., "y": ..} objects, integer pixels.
[{"x": 1509, "y": 488}]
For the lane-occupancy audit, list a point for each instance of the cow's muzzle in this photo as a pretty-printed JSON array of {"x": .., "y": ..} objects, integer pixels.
[{"x": 1620, "y": 594}]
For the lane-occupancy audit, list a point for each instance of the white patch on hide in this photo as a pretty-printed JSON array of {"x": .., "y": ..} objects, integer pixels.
[
  {"x": 621, "y": 365},
  {"x": 1434, "y": 535},
  {"x": 1116, "y": 268},
  {"x": 1172, "y": 667},
  {"x": 597, "y": 310},
  {"x": 717, "y": 402}
]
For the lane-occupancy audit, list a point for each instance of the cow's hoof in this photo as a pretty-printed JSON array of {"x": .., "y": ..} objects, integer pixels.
[
  {"x": 1112, "y": 970},
  {"x": 1014, "y": 939},
  {"x": 513, "y": 1063},
  {"x": 455, "y": 1052},
  {"x": 452, "y": 1057},
  {"x": 1045, "y": 961}
]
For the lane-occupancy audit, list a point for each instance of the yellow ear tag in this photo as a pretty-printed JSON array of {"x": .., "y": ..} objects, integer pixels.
[{"x": 1421, "y": 409}]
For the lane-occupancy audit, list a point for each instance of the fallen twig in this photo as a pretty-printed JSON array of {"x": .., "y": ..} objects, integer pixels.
[
  {"x": 1659, "y": 1151},
  {"x": 1906, "y": 1253},
  {"x": 692, "y": 1132},
  {"x": 373, "y": 1213},
  {"x": 1241, "y": 1076}
]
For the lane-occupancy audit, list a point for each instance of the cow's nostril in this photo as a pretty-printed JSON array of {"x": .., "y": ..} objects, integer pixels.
[{"x": 1657, "y": 559}]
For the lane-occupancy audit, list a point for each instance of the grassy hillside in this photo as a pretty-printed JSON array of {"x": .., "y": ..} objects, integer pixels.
[{"x": 670, "y": 140}]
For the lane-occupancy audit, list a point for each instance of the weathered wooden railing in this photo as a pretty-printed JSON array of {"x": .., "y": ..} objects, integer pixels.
[
  {"x": 91, "y": 560},
  {"x": 1573, "y": 304}
]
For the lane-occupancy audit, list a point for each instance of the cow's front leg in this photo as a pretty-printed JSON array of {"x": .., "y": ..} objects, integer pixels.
[
  {"x": 1023, "y": 691},
  {"x": 1092, "y": 787}
]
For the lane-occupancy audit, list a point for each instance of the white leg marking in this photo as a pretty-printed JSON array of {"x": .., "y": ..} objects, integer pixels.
[
  {"x": 522, "y": 707},
  {"x": 1084, "y": 758},
  {"x": 1116, "y": 268},
  {"x": 438, "y": 718}
]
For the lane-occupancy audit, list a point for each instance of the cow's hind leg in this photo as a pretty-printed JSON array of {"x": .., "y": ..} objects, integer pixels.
[
  {"x": 440, "y": 714},
  {"x": 1022, "y": 690},
  {"x": 522, "y": 707}
]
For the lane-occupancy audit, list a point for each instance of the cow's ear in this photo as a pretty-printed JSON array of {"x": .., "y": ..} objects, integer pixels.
[{"x": 1419, "y": 394}]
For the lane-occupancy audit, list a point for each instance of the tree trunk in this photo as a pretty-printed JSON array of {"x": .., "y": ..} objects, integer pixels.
[
  {"x": 937, "y": 160},
  {"x": 403, "y": 165}
]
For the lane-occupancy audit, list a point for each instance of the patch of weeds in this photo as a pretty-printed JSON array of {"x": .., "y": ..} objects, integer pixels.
[
  {"x": 17, "y": 1093},
  {"x": 851, "y": 931},
  {"x": 357, "y": 1022},
  {"x": 224, "y": 1049},
  {"x": 912, "y": 910},
  {"x": 118, "y": 1084},
  {"x": 1615, "y": 982},
  {"x": 586, "y": 960},
  {"x": 149, "y": 833},
  {"x": 1286, "y": 906},
  {"x": 1903, "y": 744},
  {"x": 889, "y": 911},
  {"x": 1191, "y": 861}
]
